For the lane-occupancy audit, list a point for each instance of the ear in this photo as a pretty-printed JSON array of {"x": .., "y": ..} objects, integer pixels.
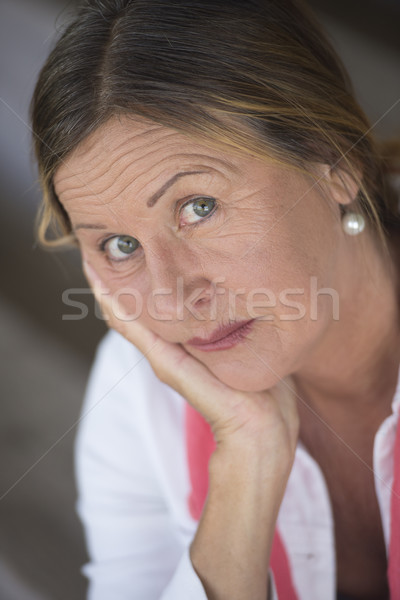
[{"x": 342, "y": 186}]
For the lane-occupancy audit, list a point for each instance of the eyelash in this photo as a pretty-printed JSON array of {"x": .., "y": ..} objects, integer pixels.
[
  {"x": 179, "y": 209},
  {"x": 102, "y": 243}
]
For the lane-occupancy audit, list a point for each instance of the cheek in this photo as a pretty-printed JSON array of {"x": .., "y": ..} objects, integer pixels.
[
  {"x": 282, "y": 282},
  {"x": 125, "y": 285}
]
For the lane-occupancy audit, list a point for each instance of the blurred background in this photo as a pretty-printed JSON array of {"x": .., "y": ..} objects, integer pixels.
[{"x": 44, "y": 356}]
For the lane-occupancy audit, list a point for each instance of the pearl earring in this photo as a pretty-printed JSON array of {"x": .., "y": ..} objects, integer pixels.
[{"x": 353, "y": 223}]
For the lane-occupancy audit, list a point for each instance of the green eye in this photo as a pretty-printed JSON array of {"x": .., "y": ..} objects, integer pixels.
[
  {"x": 199, "y": 207},
  {"x": 127, "y": 244},
  {"x": 121, "y": 246},
  {"x": 203, "y": 206}
]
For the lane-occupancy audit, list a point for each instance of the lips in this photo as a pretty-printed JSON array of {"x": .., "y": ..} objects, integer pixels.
[{"x": 230, "y": 334}]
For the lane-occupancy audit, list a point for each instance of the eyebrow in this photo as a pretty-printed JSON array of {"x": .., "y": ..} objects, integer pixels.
[{"x": 151, "y": 201}]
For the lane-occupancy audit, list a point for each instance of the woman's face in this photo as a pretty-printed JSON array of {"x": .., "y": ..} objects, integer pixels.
[{"x": 191, "y": 238}]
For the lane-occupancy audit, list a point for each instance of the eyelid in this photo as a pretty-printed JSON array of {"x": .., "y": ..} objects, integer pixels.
[
  {"x": 106, "y": 238},
  {"x": 102, "y": 248},
  {"x": 101, "y": 244},
  {"x": 180, "y": 205}
]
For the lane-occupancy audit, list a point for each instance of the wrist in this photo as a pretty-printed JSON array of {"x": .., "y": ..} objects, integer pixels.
[{"x": 250, "y": 461}]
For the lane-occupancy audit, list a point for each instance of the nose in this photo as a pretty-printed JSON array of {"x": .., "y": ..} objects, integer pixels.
[{"x": 179, "y": 286}]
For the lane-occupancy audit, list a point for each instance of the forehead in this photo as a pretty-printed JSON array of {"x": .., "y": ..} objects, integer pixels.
[{"x": 126, "y": 149}]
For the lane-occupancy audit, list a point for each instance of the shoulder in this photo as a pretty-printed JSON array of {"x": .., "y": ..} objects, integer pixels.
[
  {"x": 130, "y": 442},
  {"x": 115, "y": 356},
  {"x": 120, "y": 376},
  {"x": 125, "y": 406}
]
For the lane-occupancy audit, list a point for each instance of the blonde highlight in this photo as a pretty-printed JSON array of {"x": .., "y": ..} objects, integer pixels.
[{"x": 270, "y": 85}]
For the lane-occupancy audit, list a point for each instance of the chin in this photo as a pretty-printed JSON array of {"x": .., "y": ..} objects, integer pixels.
[{"x": 244, "y": 379}]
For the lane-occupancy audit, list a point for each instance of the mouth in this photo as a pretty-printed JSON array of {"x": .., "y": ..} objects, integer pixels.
[{"x": 223, "y": 338}]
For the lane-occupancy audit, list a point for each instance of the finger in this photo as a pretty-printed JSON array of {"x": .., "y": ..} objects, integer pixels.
[
  {"x": 170, "y": 362},
  {"x": 116, "y": 316},
  {"x": 217, "y": 402}
]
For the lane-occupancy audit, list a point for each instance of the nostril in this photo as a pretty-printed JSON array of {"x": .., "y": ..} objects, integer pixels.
[{"x": 203, "y": 296}]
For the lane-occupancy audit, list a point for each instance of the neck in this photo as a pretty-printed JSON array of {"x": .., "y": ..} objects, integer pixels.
[{"x": 356, "y": 363}]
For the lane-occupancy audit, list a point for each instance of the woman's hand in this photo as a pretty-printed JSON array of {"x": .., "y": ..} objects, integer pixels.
[
  {"x": 237, "y": 418},
  {"x": 256, "y": 435}
]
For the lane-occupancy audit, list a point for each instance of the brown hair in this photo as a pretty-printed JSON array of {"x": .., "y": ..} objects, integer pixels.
[{"x": 256, "y": 74}]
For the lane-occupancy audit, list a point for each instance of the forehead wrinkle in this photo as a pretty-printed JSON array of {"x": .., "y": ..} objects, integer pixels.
[
  {"x": 103, "y": 203},
  {"x": 191, "y": 161},
  {"x": 127, "y": 152},
  {"x": 86, "y": 160},
  {"x": 84, "y": 210},
  {"x": 144, "y": 134},
  {"x": 160, "y": 146},
  {"x": 122, "y": 155},
  {"x": 137, "y": 180},
  {"x": 102, "y": 136},
  {"x": 104, "y": 133},
  {"x": 149, "y": 152},
  {"x": 83, "y": 152},
  {"x": 136, "y": 134},
  {"x": 116, "y": 178},
  {"x": 188, "y": 165}
]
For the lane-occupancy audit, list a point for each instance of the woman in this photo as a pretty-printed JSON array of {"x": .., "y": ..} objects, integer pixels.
[{"x": 238, "y": 438}]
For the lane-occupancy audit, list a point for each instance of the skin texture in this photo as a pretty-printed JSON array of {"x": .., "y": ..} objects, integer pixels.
[{"x": 274, "y": 229}]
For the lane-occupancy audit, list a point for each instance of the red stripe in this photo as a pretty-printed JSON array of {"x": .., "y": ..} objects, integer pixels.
[{"x": 200, "y": 445}]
